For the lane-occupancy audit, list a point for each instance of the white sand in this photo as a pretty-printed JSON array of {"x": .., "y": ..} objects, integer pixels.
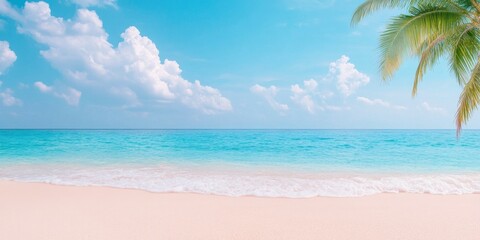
[{"x": 43, "y": 211}]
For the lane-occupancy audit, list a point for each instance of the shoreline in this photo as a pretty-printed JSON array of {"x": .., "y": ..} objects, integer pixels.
[
  {"x": 47, "y": 211},
  {"x": 108, "y": 188},
  {"x": 165, "y": 179}
]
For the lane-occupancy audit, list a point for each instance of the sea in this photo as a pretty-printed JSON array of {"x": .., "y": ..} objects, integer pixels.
[{"x": 263, "y": 163}]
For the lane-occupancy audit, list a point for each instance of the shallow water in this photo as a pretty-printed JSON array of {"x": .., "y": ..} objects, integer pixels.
[{"x": 275, "y": 163}]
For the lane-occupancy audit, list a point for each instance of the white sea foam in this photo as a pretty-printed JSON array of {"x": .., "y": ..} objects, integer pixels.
[{"x": 167, "y": 178}]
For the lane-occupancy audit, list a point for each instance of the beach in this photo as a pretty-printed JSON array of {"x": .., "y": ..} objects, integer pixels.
[
  {"x": 44, "y": 211},
  {"x": 239, "y": 184},
  {"x": 239, "y": 120}
]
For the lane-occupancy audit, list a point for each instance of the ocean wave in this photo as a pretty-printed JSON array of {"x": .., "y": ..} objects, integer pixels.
[{"x": 243, "y": 183}]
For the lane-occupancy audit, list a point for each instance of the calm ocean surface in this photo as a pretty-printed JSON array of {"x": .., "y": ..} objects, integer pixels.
[{"x": 271, "y": 163}]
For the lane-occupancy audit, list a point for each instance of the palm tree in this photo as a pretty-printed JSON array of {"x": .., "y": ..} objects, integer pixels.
[{"x": 432, "y": 29}]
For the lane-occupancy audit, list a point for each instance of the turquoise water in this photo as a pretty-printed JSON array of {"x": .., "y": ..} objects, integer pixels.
[{"x": 287, "y": 163}]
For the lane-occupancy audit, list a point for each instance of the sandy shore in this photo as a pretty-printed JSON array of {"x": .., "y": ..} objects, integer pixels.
[{"x": 42, "y": 211}]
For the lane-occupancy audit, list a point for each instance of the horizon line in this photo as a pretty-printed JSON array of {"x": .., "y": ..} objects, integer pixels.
[{"x": 453, "y": 129}]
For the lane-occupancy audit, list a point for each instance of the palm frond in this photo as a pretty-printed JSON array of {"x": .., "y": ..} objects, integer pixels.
[
  {"x": 432, "y": 29},
  {"x": 467, "y": 4},
  {"x": 370, "y": 6},
  {"x": 465, "y": 47},
  {"x": 433, "y": 49},
  {"x": 406, "y": 32},
  {"x": 469, "y": 98},
  {"x": 475, "y": 5}
]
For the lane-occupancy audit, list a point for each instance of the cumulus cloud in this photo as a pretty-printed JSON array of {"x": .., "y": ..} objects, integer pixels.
[
  {"x": 7, "y": 56},
  {"x": 310, "y": 98},
  {"x": 427, "y": 107},
  {"x": 316, "y": 95},
  {"x": 79, "y": 48},
  {"x": 128, "y": 95},
  {"x": 269, "y": 95},
  {"x": 379, "y": 102},
  {"x": 348, "y": 78},
  {"x": 43, "y": 87},
  {"x": 8, "y": 99},
  {"x": 92, "y": 3},
  {"x": 7, "y": 10},
  {"x": 303, "y": 96},
  {"x": 70, "y": 95}
]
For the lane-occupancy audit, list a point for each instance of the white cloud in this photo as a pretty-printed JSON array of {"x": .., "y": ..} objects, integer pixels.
[
  {"x": 269, "y": 95},
  {"x": 92, "y": 3},
  {"x": 427, "y": 107},
  {"x": 310, "y": 98},
  {"x": 305, "y": 96},
  {"x": 127, "y": 94},
  {"x": 348, "y": 78},
  {"x": 6, "y": 96},
  {"x": 70, "y": 95},
  {"x": 379, "y": 102},
  {"x": 79, "y": 48},
  {"x": 7, "y": 56},
  {"x": 43, "y": 87},
  {"x": 8, "y": 99},
  {"x": 310, "y": 85},
  {"x": 7, "y": 10},
  {"x": 313, "y": 98}
]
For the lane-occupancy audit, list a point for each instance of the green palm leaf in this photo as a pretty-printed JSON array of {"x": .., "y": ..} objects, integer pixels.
[
  {"x": 469, "y": 98},
  {"x": 433, "y": 50},
  {"x": 371, "y": 6},
  {"x": 432, "y": 29},
  {"x": 406, "y": 32},
  {"x": 465, "y": 49}
]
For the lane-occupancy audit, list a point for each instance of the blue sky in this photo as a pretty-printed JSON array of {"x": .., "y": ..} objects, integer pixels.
[{"x": 207, "y": 64}]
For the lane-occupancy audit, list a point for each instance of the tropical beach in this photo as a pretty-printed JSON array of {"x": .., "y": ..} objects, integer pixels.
[
  {"x": 170, "y": 184},
  {"x": 240, "y": 119}
]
